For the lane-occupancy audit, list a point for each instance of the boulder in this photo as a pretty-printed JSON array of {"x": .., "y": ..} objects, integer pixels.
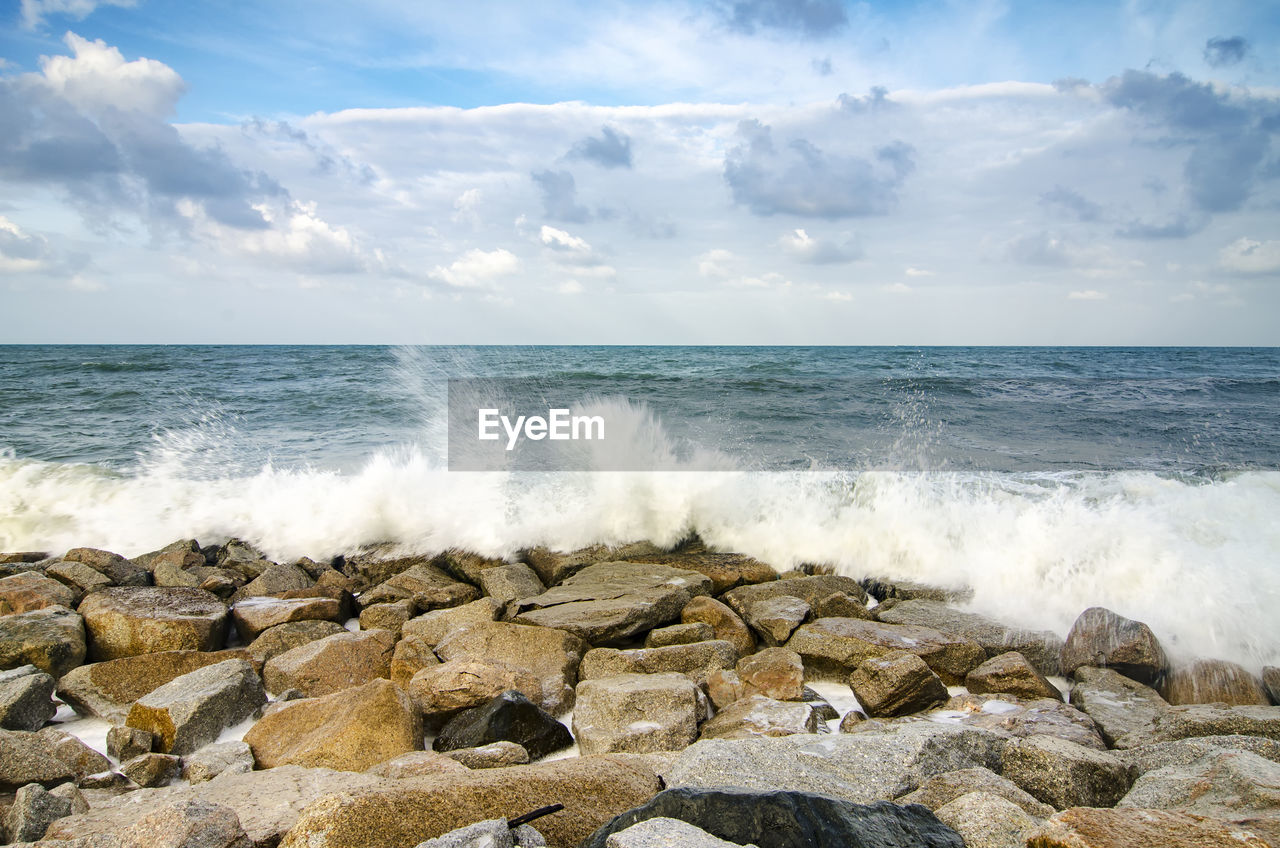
[
  {"x": 756, "y": 715},
  {"x": 592, "y": 789},
  {"x": 432, "y": 627},
  {"x": 696, "y": 660},
  {"x": 506, "y": 583},
  {"x": 114, "y": 567},
  {"x": 1233, "y": 786},
  {"x": 168, "y": 572},
  {"x": 51, "y": 639},
  {"x": 1124, "y": 710},
  {"x": 775, "y": 619},
  {"x": 34, "y": 809},
  {"x": 109, "y": 689},
  {"x": 26, "y": 698},
  {"x": 611, "y": 602},
  {"x": 351, "y": 729},
  {"x": 897, "y": 683},
  {"x": 441, "y": 690},
  {"x": 834, "y": 647},
  {"x": 378, "y": 564},
  {"x": 984, "y": 820},
  {"x": 493, "y": 755},
  {"x": 274, "y": 579},
  {"x": 1215, "y": 720},
  {"x": 125, "y": 743},
  {"x": 82, "y": 759},
  {"x": 679, "y": 634},
  {"x": 331, "y": 664},
  {"x": 724, "y": 686},
  {"x": 1184, "y": 752},
  {"x": 254, "y": 615},
  {"x": 126, "y": 621},
  {"x": 725, "y": 622},
  {"x": 191, "y": 711},
  {"x": 1271, "y": 682},
  {"x": 787, "y": 819},
  {"x": 1012, "y": 716},
  {"x": 635, "y": 713},
  {"x": 31, "y": 591},
  {"x": 664, "y": 832},
  {"x": 192, "y": 823},
  {"x": 151, "y": 770},
  {"x": 411, "y": 656},
  {"x": 892, "y": 589},
  {"x": 233, "y": 757},
  {"x": 418, "y": 764},
  {"x": 510, "y": 717},
  {"x": 726, "y": 570},
  {"x": 553, "y": 567},
  {"x": 285, "y": 637},
  {"x": 1103, "y": 639},
  {"x": 841, "y": 605},
  {"x": 465, "y": 565},
  {"x": 78, "y": 577},
  {"x": 945, "y": 788},
  {"x": 30, "y": 758},
  {"x": 775, "y": 673},
  {"x": 1084, "y": 827},
  {"x": 389, "y": 616},
  {"x": 811, "y": 590},
  {"x": 494, "y": 833},
  {"x": 428, "y": 587},
  {"x": 1213, "y": 682},
  {"x": 184, "y": 552},
  {"x": 1042, "y": 649},
  {"x": 1064, "y": 774},
  {"x": 552, "y": 656},
  {"x": 1012, "y": 674}
]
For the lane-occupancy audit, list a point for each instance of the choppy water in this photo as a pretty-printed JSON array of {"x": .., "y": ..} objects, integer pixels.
[{"x": 1049, "y": 480}]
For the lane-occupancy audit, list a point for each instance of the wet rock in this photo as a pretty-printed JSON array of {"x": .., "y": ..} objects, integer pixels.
[
  {"x": 1214, "y": 720},
  {"x": 1013, "y": 716},
  {"x": 351, "y": 729},
  {"x": 167, "y": 572},
  {"x": 885, "y": 589},
  {"x": 124, "y": 622},
  {"x": 82, "y": 759},
  {"x": 78, "y": 577},
  {"x": 233, "y": 757},
  {"x": 428, "y": 587},
  {"x": 756, "y": 715},
  {"x": 663, "y": 832},
  {"x": 553, "y": 567},
  {"x": 984, "y": 820},
  {"x": 114, "y": 567},
  {"x": 150, "y": 770},
  {"x": 124, "y": 742},
  {"x": 725, "y": 622},
  {"x": 679, "y": 634},
  {"x": 775, "y": 673},
  {"x": 775, "y": 619},
  {"x": 34, "y": 809},
  {"x": 411, "y": 656},
  {"x": 377, "y": 565},
  {"x": 26, "y": 698},
  {"x": 190, "y": 823},
  {"x": 441, "y": 690},
  {"x": 434, "y": 626},
  {"x": 505, "y": 583},
  {"x": 834, "y": 647},
  {"x": 510, "y": 717},
  {"x": 389, "y": 616},
  {"x": 1232, "y": 786},
  {"x": 841, "y": 605},
  {"x": 635, "y": 713},
  {"x": 897, "y": 683},
  {"x": 273, "y": 580},
  {"x": 30, "y": 591},
  {"x": 1041, "y": 648},
  {"x": 276, "y": 640},
  {"x": 1103, "y": 639},
  {"x": 1083, "y": 827},
  {"x": 465, "y": 565},
  {"x": 825, "y": 711},
  {"x": 1065, "y": 774},
  {"x": 1124, "y": 710},
  {"x": 945, "y": 788},
  {"x": 1184, "y": 752},
  {"x": 787, "y": 819},
  {"x": 190, "y": 711},
  {"x": 30, "y": 758},
  {"x": 1271, "y": 682},
  {"x": 22, "y": 557},
  {"x": 696, "y": 660},
  {"x": 1010, "y": 673},
  {"x": 726, "y": 570},
  {"x": 418, "y": 764},
  {"x": 1212, "y": 682},
  {"x": 184, "y": 552},
  {"x": 331, "y": 664},
  {"x": 551, "y": 656},
  {"x": 611, "y": 602},
  {"x": 255, "y": 615},
  {"x": 493, "y": 755},
  {"x": 109, "y": 689},
  {"x": 51, "y": 639}
]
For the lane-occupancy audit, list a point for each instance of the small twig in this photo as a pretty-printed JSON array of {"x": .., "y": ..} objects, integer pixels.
[{"x": 533, "y": 816}]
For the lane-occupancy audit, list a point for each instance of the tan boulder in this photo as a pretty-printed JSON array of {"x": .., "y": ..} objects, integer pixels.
[
  {"x": 696, "y": 660},
  {"x": 1212, "y": 682},
  {"x": 636, "y": 713},
  {"x": 1104, "y": 639},
  {"x": 1012, "y": 674},
  {"x": 292, "y": 634},
  {"x": 757, "y": 715},
  {"x": 433, "y": 626},
  {"x": 254, "y": 615},
  {"x": 333, "y": 663},
  {"x": 679, "y": 634},
  {"x": 895, "y": 684},
  {"x": 126, "y": 621},
  {"x": 31, "y": 591},
  {"x": 411, "y": 656},
  {"x": 117, "y": 569},
  {"x": 836, "y": 646},
  {"x": 389, "y": 616},
  {"x": 51, "y": 638},
  {"x": 461, "y": 684},
  {"x": 775, "y": 673},
  {"x": 109, "y": 689},
  {"x": 1088, "y": 827},
  {"x": 725, "y": 622},
  {"x": 428, "y": 586},
  {"x": 552, "y": 656}
]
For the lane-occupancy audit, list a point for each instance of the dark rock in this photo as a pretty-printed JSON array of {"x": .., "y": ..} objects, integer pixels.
[
  {"x": 26, "y": 698},
  {"x": 1102, "y": 639},
  {"x": 883, "y": 589},
  {"x": 897, "y": 683},
  {"x": 51, "y": 639},
  {"x": 1012, "y": 674},
  {"x": 825, "y": 711},
  {"x": 783, "y": 819},
  {"x": 510, "y": 717},
  {"x": 465, "y": 565},
  {"x": 1213, "y": 682}
]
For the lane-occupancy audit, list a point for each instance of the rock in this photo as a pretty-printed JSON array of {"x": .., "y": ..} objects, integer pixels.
[
  {"x": 1215, "y": 720},
  {"x": 635, "y": 713},
  {"x": 34, "y": 809},
  {"x": 78, "y": 577},
  {"x": 331, "y": 664},
  {"x": 775, "y": 673},
  {"x": 125, "y": 743},
  {"x": 679, "y": 634},
  {"x": 897, "y": 683},
  {"x": 841, "y": 605},
  {"x": 109, "y": 689},
  {"x": 1233, "y": 786},
  {"x": 185, "y": 553},
  {"x": 726, "y": 570},
  {"x": 945, "y": 788},
  {"x": 292, "y": 634},
  {"x": 22, "y": 557},
  {"x": 552, "y": 656},
  {"x": 611, "y": 602},
  {"x": 1102, "y": 639},
  {"x": 418, "y": 764},
  {"x": 350, "y": 729},
  {"x": 377, "y": 565},
  {"x": 494, "y": 833},
  {"x": 190, "y": 711},
  {"x": 1012, "y": 716},
  {"x": 871, "y": 765},
  {"x": 1012, "y": 674},
  {"x": 836, "y": 646},
  {"x": 984, "y": 820},
  {"x": 885, "y": 589},
  {"x": 167, "y": 572},
  {"x": 124, "y": 622},
  {"x": 429, "y": 587},
  {"x": 505, "y": 583},
  {"x": 510, "y": 717},
  {"x": 389, "y": 616},
  {"x": 825, "y": 711},
  {"x": 30, "y": 591},
  {"x": 82, "y": 759},
  {"x": 1211, "y": 682},
  {"x": 114, "y": 567},
  {"x": 411, "y": 656},
  {"x": 1065, "y": 774},
  {"x": 51, "y": 639},
  {"x": 273, "y": 580},
  {"x": 1124, "y": 710},
  {"x": 775, "y": 619},
  {"x": 255, "y": 615},
  {"x": 1042, "y": 649},
  {"x": 696, "y": 660},
  {"x": 30, "y": 758},
  {"x": 787, "y": 819},
  {"x": 664, "y": 832},
  {"x": 233, "y": 757},
  {"x": 444, "y": 689},
  {"x": 1184, "y": 752},
  {"x": 71, "y": 793},
  {"x": 725, "y": 622},
  {"x": 553, "y": 567},
  {"x": 150, "y": 770},
  {"x": 724, "y": 687},
  {"x": 811, "y": 590},
  {"x": 434, "y": 626},
  {"x": 592, "y": 789},
  {"x": 190, "y": 823},
  {"x": 756, "y": 715},
  {"x": 26, "y": 698},
  {"x": 1083, "y": 827},
  {"x": 493, "y": 755},
  {"x": 465, "y": 565}
]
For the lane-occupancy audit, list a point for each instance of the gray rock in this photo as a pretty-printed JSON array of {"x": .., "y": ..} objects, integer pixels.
[
  {"x": 1124, "y": 710},
  {"x": 635, "y": 713},
  {"x": 434, "y": 626},
  {"x": 696, "y": 660},
  {"x": 834, "y": 647},
  {"x": 775, "y": 619},
  {"x": 1013, "y": 674},
  {"x": 26, "y": 698},
  {"x": 945, "y": 788},
  {"x": 50, "y": 638},
  {"x": 665, "y": 833},
  {"x": 151, "y": 770},
  {"x": 505, "y": 583},
  {"x": 82, "y": 759},
  {"x": 117, "y": 569},
  {"x": 1103, "y": 639},
  {"x": 411, "y": 656},
  {"x": 428, "y": 586},
  {"x": 1012, "y": 716},
  {"x": 1184, "y": 752},
  {"x": 553, "y": 567},
  {"x": 124, "y": 743},
  {"x": 234, "y": 757},
  {"x": 71, "y": 793},
  {"x": 494, "y": 833},
  {"x": 254, "y": 616},
  {"x": 1216, "y": 720},
  {"x": 811, "y": 590},
  {"x": 389, "y": 616},
  {"x": 886, "y": 589},
  {"x": 551, "y": 656},
  {"x": 1042, "y": 649},
  {"x": 108, "y": 689},
  {"x": 494, "y": 755},
  {"x": 78, "y": 577},
  {"x": 30, "y": 758},
  {"x": 190, "y": 823},
  {"x": 897, "y": 683},
  {"x": 679, "y": 634},
  {"x": 190, "y": 711},
  {"x": 841, "y": 605},
  {"x": 984, "y": 820},
  {"x": 34, "y": 809},
  {"x": 420, "y": 764},
  {"x": 274, "y": 580},
  {"x": 757, "y": 715},
  {"x": 1065, "y": 774},
  {"x": 1233, "y": 786}
]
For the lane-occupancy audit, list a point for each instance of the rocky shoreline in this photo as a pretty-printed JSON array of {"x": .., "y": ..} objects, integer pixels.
[{"x": 662, "y": 697}]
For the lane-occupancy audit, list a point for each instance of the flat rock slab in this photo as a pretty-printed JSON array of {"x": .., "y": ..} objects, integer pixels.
[
  {"x": 1015, "y": 717},
  {"x": 1125, "y": 828},
  {"x": 1064, "y": 774},
  {"x": 52, "y": 639},
  {"x": 331, "y": 664},
  {"x": 945, "y": 788},
  {"x": 126, "y": 621},
  {"x": 285, "y": 637},
  {"x": 788, "y": 819},
  {"x": 811, "y": 590},
  {"x": 836, "y": 646},
  {"x": 190, "y": 711},
  {"x": 726, "y": 570},
  {"x": 1212, "y": 720},
  {"x": 428, "y": 587},
  {"x": 253, "y": 615},
  {"x": 1124, "y": 710},
  {"x": 1184, "y": 752},
  {"x": 109, "y": 689},
  {"x": 1042, "y": 648},
  {"x": 432, "y": 627},
  {"x": 1234, "y": 786},
  {"x": 757, "y": 715},
  {"x": 696, "y": 660}
]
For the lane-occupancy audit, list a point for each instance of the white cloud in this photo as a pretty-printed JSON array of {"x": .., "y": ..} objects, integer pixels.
[
  {"x": 918, "y": 272},
  {"x": 21, "y": 252},
  {"x": 805, "y": 248},
  {"x": 1247, "y": 256},
  {"x": 561, "y": 240},
  {"x": 35, "y": 11},
  {"x": 97, "y": 78},
  {"x": 466, "y": 208},
  {"x": 295, "y": 236},
  {"x": 838, "y": 296},
  {"x": 714, "y": 264},
  {"x": 1087, "y": 294},
  {"x": 478, "y": 268},
  {"x": 570, "y": 287}
]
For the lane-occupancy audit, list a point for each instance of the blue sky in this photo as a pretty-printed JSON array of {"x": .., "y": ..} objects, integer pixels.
[{"x": 765, "y": 171}]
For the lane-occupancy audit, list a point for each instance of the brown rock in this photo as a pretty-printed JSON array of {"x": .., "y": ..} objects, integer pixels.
[
  {"x": 78, "y": 577},
  {"x": 724, "y": 686},
  {"x": 811, "y": 590},
  {"x": 896, "y": 683},
  {"x": 696, "y": 660},
  {"x": 987, "y": 820},
  {"x": 726, "y": 570},
  {"x": 462, "y": 684},
  {"x": 494, "y": 755},
  {"x": 1010, "y": 673},
  {"x": 836, "y": 646},
  {"x": 1126, "y": 827},
  {"x": 411, "y": 656},
  {"x": 1211, "y": 682},
  {"x": 50, "y": 638},
  {"x": 191, "y": 711},
  {"x": 465, "y": 565},
  {"x": 433, "y": 626},
  {"x": 841, "y": 605},
  {"x": 552, "y": 656},
  {"x": 725, "y": 622},
  {"x": 124, "y": 743},
  {"x": 679, "y": 634},
  {"x": 331, "y": 664},
  {"x": 429, "y": 587},
  {"x": 635, "y": 713},
  {"x": 109, "y": 689},
  {"x": 389, "y": 616},
  {"x": 254, "y": 615},
  {"x": 285, "y": 637},
  {"x": 30, "y": 758},
  {"x": 1103, "y": 639},
  {"x": 29, "y": 591},
  {"x": 505, "y": 583},
  {"x": 1043, "y": 649},
  {"x": 274, "y": 579},
  {"x": 126, "y": 621},
  {"x": 351, "y": 730},
  {"x": 150, "y": 770},
  {"x": 756, "y": 715},
  {"x": 553, "y": 567},
  {"x": 82, "y": 759},
  {"x": 114, "y": 567},
  {"x": 775, "y": 673}
]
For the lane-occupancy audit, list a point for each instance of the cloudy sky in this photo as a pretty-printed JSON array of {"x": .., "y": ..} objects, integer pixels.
[{"x": 754, "y": 172}]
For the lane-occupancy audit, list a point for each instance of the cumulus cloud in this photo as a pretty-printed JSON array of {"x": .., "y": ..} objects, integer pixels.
[
  {"x": 478, "y": 269},
  {"x": 815, "y": 251},
  {"x": 1080, "y": 207},
  {"x": 571, "y": 252},
  {"x": 806, "y": 17},
  {"x": 22, "y": 252},
  {"x": 874, "y": 100},
  {"x": 298, "y": 238},
  {"x": 33, "y": 12},
  {"x": 716, "y": 264},
  {"x": 804, "y": 180},
  {"x": 560, "y": 196},
  {"x": 1219, "y": 51},
  {"x": 1247, "y": 256},
  {"x": 611, "y": 150}
]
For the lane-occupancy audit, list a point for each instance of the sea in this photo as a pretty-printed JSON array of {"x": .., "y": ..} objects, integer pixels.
[{"x": 1045, "y": 480}]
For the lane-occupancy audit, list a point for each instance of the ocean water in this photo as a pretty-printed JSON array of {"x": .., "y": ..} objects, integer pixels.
[{"x": 1045, "y": 479}]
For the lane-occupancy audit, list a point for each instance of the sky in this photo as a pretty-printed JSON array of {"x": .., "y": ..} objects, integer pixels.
[{"x": 669, "y": 172}]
